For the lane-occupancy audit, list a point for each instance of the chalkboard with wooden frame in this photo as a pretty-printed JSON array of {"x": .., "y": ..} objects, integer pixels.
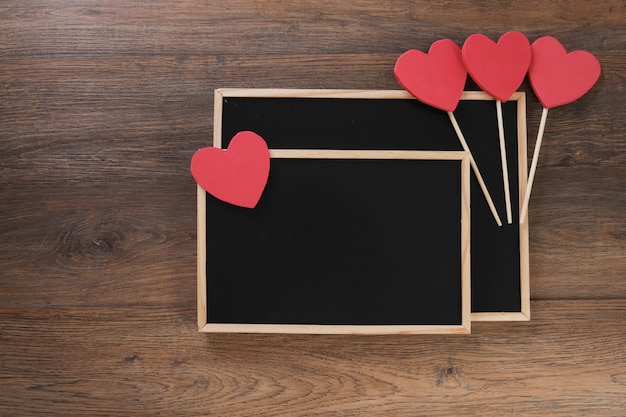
[{"x": 363, "y": 225}]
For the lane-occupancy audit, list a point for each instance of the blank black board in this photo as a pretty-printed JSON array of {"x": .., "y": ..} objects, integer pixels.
[{"x": 385, "y": 120}]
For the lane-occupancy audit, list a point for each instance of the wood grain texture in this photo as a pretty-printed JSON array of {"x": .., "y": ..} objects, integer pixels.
[
  {"x": 148, "y": 361},
  {"x": 102, "y": 105}
]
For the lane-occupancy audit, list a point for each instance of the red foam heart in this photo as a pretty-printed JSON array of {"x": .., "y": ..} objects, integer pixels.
[
  {"x": 498, "y": 68},
  {"x": 237, "y": 175},
  {"x": 436, "y": 78},
  {"x": 558, "y": 77}
]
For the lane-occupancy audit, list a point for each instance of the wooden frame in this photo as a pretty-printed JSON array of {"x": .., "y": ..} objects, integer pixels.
[
  {"x": 221, "y": 94},
  {"x": 464, "y": 200}
]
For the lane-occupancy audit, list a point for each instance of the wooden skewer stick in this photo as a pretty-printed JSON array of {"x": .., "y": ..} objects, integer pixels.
[
  {"x": 505, "y": 170},
  {"x": 533, "y": 166},
  {"x": 479, "y": 177}
]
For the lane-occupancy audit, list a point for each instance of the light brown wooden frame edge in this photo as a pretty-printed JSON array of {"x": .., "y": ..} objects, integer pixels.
[{"x": 463, "y": 328}]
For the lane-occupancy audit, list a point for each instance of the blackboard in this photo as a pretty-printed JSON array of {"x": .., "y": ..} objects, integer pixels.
[{"x": 342, "y": 258}]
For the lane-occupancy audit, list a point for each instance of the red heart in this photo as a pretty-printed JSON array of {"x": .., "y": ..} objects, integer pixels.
[
  {"x": 237, "y": 175},
  {"x": 436, "y": 78},
  {"x": 558, "y": 77},
  {"x": 498, "y": 68}
]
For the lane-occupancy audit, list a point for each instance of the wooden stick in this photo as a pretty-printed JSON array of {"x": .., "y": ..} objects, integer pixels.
[
  {"x": 479, "y": 177},
  {"x": 533, "y": 166},
  {"x": 505, "y": 170}
]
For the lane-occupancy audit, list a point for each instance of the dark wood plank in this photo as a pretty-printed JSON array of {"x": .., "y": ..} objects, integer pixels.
[
  {"x": 569, "y": 360},
  {"x": 99, "y": 243},
  {"x": 273, "y": 27},
  {"x": 578, "y": 233}
]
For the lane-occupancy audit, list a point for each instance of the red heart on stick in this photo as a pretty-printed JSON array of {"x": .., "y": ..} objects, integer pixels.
[
  {"x": 237, "y": 175},
  {"x": 498, "y": 68},
  {"x": 558, "y": 77},
  {"x": 436, "y": 78}
]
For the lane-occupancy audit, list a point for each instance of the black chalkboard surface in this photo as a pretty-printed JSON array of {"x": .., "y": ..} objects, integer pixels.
[{"x": 360, "y": 226}]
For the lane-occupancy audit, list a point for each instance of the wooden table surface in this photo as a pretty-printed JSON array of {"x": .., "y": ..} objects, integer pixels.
[{"x": 102, "y": 105}]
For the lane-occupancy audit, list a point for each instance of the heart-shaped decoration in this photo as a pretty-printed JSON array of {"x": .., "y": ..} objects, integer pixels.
[
  {"x": 558, "y": 77},
  {"x": 436, "y": 78},
  {"x": 237, "y": 175},
  {"x": 498, "y": 68}
]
